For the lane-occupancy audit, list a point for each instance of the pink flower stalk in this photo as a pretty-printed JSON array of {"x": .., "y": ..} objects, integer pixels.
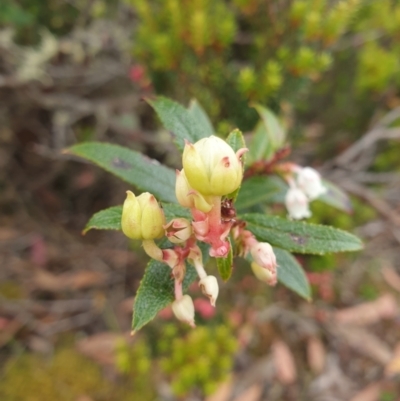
[{"x": 209, "y": 228}]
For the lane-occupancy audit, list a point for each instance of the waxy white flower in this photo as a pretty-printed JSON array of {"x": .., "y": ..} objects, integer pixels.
[
  {"x": 297, "y": 203},
  {"x": 309, "y": 181},
  {"x": 212, "y": 167},
  {"x": 209, "y": 287},
  {"x": 183, "y": 309}
]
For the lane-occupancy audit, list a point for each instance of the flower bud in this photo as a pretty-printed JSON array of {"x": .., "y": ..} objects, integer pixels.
[
  {"x": 265, "y": 275},
  {"x": 212, "y": 167},
  {"x": 183, "y": 309},
  {"x": 263, "y": 254},
  {"x": 310, "y": 182},
  {"x": 178, "y": 230},
  {"x": 297, "y": 203},
  {"x": 187, "y": 196},
  {"x": 209, "y": 287},
  {"x": 142, "y": 217}
]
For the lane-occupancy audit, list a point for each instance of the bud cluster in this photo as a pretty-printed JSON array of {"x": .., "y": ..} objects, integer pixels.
[{"x": 211, "y": 170}]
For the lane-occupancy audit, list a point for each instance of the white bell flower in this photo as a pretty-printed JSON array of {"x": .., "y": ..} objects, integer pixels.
[
  {"x": 297, "y": 204},
  {"x": 209, "y": 287},
  {"x": 183, "y": 309},
  {"x": 309, "y": 181}
]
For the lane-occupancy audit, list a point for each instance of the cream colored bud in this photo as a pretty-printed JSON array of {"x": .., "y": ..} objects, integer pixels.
[
  {"x": 142, "y": 217},
  {"x": 187, "y": 196},
  {"x": 209, "y": 287},
  {"x": 265, "y": 275},
  {"x": 263, "y": 254},
  {"x": 183, "y": 309},
  {"x": 212, "y": 167}
]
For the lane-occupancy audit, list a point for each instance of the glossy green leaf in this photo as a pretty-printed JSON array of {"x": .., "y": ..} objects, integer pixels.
[
  {"x": 182, "y": 123},
  {"x": 156, "y": 290},
  {"x": 256, "y": 190},
  {"x": 291, "y": 274},
  {"x": 296, "y": 236},
  {"x": 107, "y": 219},
  {"x": 225, "y": 265},
  {"x": 138, "y": 170},
  {"x": 201, "y": 116}
]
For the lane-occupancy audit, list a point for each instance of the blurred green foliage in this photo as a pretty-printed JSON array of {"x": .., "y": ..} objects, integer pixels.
[
  {"x": 29, "y": 17},
  {"x": 199, "y": 360},
  {"x": 228, "y": 54},
  {"x": 69, "y": 375},
  {"x": 379, "y": 62},
  {"x": 134, "y": 363}
]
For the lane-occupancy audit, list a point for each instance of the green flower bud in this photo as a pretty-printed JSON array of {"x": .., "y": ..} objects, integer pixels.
[
  {"x": 212, "y": 167},
  {"x": 142, "y": 217}
]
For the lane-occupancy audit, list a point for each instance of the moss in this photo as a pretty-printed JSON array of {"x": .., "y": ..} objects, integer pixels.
[
  {"x": 65, "y": 377},
  {"x": 198, "y": 361}
]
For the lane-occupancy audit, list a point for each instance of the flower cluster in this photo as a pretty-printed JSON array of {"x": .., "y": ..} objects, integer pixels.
[
  {"x": 211, "y": 172},
  {"x": 305, "y": 185}
]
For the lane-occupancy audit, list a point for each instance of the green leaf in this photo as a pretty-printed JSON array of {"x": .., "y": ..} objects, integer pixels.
[
  {"x": 201, "y": 116},
  {"x": 181, "y": 122},
  {"x": 256, "y": 190},
  {"x": 134, "y": 168},
  {"x": 260, "y": 147},
  {"x": 336, "y": 197},
  {"x": 156, "y": 290},
  {"x": 107, "y": 219},
  {"x": 236, "y": 141},
  {"x": 291, "y": 274},
  {"x": 225, "y": 265},
  {"x": 172, "y": 211},
  {"x": 269, "y": 135},
  {"x": 296, "y": 236}
]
